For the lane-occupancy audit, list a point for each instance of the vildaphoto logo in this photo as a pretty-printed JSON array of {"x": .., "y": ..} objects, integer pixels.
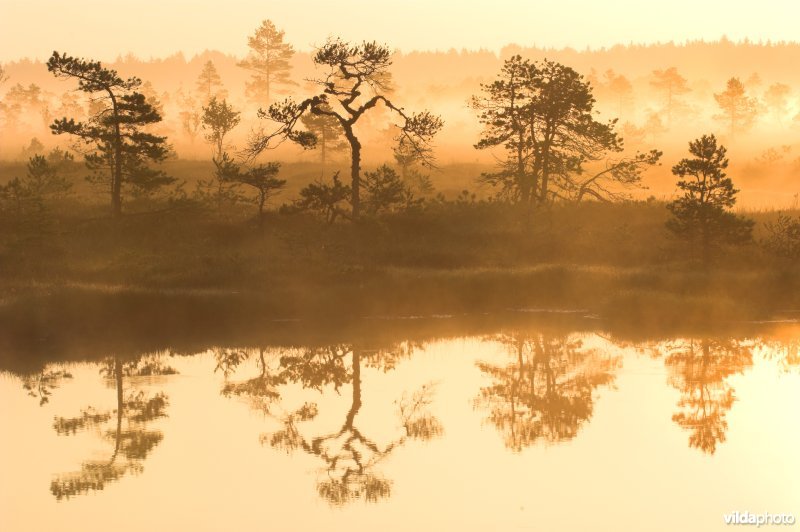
[{"x": 762, "y": 519}]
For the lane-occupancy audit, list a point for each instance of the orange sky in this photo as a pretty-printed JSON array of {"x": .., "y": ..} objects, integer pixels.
[{"x": 103, "y": 30}]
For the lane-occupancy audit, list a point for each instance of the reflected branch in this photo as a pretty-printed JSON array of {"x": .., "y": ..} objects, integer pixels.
[
  {"x": 132, "y": 439},
  {"x": 350, "y": 457}
]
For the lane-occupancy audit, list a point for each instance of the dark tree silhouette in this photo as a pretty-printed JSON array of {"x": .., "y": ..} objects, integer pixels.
[
  {"x": 701, "y": 215},
  {"x": 783, "y": 236},
  {"x": 386, "y": 192},
  {"x": 328, "y": 200},
  {"x": 41, "y": 184},
  {"x": 546, "y": 393},
  {"x": 542, "y": 113},
  {"x": 269, "y": 60},
  {"x": 356, "y": 82},
  {"x": 699, "y": 369},
  {"x": 503, "y": 110},
  {"x": 114, "y": 137},
  {"x": 260, "y": 177}
]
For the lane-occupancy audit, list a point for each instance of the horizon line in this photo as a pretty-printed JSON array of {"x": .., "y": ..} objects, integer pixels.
[{"x": 190, "y": 56}]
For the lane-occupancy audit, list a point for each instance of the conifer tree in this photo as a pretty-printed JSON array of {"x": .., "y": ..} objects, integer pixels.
[
  {"x": 702, "y": 215},
  {"x": 118, "y": 148},
  {"x": 268, "y": 59}
]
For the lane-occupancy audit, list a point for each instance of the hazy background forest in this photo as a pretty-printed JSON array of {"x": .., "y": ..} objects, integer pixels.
[{"x": 765, "y": 156}]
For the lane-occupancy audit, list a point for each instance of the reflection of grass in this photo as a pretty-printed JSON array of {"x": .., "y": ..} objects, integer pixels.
[{"x": 453, "y": 257}]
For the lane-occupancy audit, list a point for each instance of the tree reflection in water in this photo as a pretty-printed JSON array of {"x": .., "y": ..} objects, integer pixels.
[
  {"x": 786, "y": 354},
  {"x": 350, "y": 456},
  {"x": 41, "y": 385},
  {"x": 261, "y": 390},
  {"x": 546, "y": 392},
  {"x": 130, "y": 435},
  {"x": 699, "y": 370}
]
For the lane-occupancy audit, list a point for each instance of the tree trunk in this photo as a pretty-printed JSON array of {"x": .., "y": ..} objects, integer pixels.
[
  {"x": 261, "y": 200},
  {"x": 545, "y": 174},
  {"x": 522, "y": 182},
  {"x": 355, "y": 172},
  {"x": 322, "y": 149},
  {"x": 266, "y": 83},
  {"x": 116, "y": 178}
]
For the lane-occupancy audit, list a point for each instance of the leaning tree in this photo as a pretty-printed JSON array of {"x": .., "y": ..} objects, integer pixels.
[
  {"x": 356, "y": 81},
  {"x": 117, "y": 147}
]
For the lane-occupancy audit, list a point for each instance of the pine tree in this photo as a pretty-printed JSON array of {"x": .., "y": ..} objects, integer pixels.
[
  {"x": 269, "y": 60},
  {"x": 328, "y": 132},
  {"x": 543, "y": 114},
  {"x": 119, "y": 150},
  {"x": 673, "y": 85},
  {"x": 702, "y": 214},
  {"x": 354, "y": 84},
  {"x": 738, "y": 109},
  {"x": 209, "y": 83}
]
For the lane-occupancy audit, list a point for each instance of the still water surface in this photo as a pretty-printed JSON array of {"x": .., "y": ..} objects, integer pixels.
[{"x": 519, "y": 430}]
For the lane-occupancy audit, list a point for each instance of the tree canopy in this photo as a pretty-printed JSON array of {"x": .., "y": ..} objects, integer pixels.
[
  {"x": 356, "y": 82},
  {"x": 701, "y": 214},
  {"x": 269, "y": 60},
  {"x": 116, "y": 145},
  {"x": 542, "y": 113},
  {"x": 738, "y": 110}
]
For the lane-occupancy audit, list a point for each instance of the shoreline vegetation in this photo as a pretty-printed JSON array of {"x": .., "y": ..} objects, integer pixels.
[{"x": 617, "y": 261}]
